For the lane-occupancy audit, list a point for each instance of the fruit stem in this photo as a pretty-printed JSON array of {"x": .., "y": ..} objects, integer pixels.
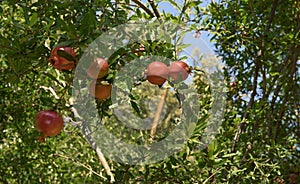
[
  {"x": 41, "y": 138},
  {"x": 157, "y": 114}
]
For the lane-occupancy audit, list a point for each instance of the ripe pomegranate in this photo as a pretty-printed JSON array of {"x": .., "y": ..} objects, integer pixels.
[
  {"x": 179, "y": 71},
  {"x": 48, "y": 123},
  {"x": 63, "y": 58},
  {"x": 157, "y": 73},
  {"x": 98, "y": 69},
  {"x": 99, "y": 90}
]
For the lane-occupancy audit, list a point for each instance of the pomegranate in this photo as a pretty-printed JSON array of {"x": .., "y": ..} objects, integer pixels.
[
  {"x": 99, "y": 90},
  {"x": 48, "y": 123},
  {"x": 98, "y": 69},
  {"x": 179, "y": 71},
  {"x": 157, "y": 73},
  {"x": 63, "y": 58}
]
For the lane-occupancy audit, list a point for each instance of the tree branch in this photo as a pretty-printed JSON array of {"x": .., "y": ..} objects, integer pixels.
[
  {"x": 154, "y": 8},
  {"x": 141, "y": 5},
  {"x": 284, "y": 64},
  {"x": 271, "y": 15},
  {"x": 100, "y": 155},
  {"x": 278, "y": 124},
  {"x": 158, "y": 113},
  {"x": 104, "y": 164},
  {"x": 250, "y": 104},
  {"x": 86, "y": 132},
  {"x": 290, "y": 80}
]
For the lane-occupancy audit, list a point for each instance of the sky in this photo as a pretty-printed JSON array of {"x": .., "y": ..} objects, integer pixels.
[{"x": 202, "y": 43}]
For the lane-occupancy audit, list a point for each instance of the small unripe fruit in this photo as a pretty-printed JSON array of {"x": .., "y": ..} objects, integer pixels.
[
  {"x": 48, "y": 123},
  {"x": 179, "y": 71},
  {"x": 63, "y": 58},
  {"x": 157, "y": 73},
  {"x": 98, "y": 69},
  {"x": 99, "y": 90}
]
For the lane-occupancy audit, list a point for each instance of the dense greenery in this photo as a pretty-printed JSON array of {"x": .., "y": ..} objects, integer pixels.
[{"x": 257, "y": 41}]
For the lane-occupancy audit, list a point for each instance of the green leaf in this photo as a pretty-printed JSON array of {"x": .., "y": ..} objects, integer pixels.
[
  {"x": 135, "y": 107},
  {"x": 169, "y": 167},
  {"x": 25, "y": 12},
  {"x": 173, "y": 160},
  {"x": 274, "y": 74},
  {"x": 191, "y": 127},
  {"x": 66, "y": 43},
  {"x": 229, "y": 155},
  {"x": 33, "y": 19},
  {"x": 211, "y": 149},
  {"x": 65, "y": 55}
]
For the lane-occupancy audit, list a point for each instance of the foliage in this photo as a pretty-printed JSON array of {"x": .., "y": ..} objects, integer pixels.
[
  {"x": 258, "y": 141},
  {"x": 259, "y": 42}
]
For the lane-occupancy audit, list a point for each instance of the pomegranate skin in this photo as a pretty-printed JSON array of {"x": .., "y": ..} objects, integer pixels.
[
  {"x": 98, "y": 69},
  {"x": 100, "y": 91},
  {"x": 179, "y": 71},
  {"x": 157, "y": 73},
  {"x": 48, "y": 123},
  {"x": 60, "y": 62}
]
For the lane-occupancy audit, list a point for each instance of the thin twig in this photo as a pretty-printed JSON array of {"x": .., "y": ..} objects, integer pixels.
[
  {"x": 182, "y": 11},
  {"x": 249, "y": 147},
  {"x": 279, "y": 119},
  {"x": 211, "y": 175},
  {"x": 8, "y": 47},
  {"x": 264, "y": 85},
  {"x": 80, "y": 164}
]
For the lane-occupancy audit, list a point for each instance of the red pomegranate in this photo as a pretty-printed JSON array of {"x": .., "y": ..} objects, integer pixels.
[
  {"x": 98, "y": 69},
  {"x": 63, "y": 58},
  {"x": 157, "y": 73},
  {"x": 48, "y": 123},
  {"x": 179, "y": 71},
  {"x": 99, "y": 90}
]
